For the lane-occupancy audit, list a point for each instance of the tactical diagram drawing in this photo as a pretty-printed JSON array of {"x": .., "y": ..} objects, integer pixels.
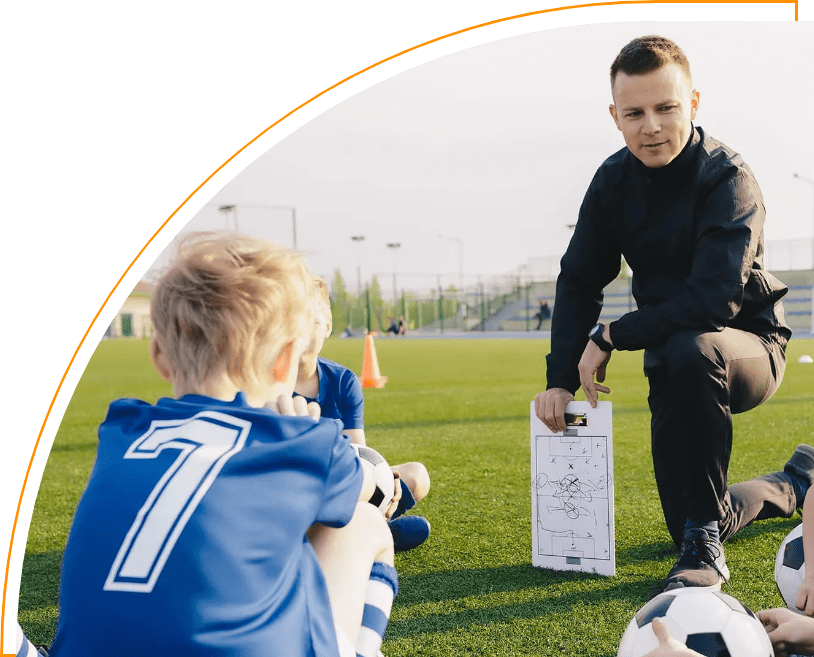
[{"x": 572, "y": 493}]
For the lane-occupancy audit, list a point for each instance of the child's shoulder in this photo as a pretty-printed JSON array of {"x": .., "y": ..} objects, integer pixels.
[
  {"x": 134, "y": 415},
  {"x": 334, "y": 369}
]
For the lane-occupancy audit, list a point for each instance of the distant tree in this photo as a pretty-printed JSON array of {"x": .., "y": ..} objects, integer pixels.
[
  {"x": 376, "y": 303},
  {"x": 340, "y": 302},
  {"x": 340, "y": 291}
]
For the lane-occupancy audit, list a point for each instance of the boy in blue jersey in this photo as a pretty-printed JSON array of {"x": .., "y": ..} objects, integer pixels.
[
  {"x": 338, "y": 392},
  {"x": 226, "y": 521}
]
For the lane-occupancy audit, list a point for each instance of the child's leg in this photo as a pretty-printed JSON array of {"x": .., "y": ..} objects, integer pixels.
[
  {"x": 416, "y": 477},
  {"x": 347, "y": 556},
  {"x": 410, "y": 531}
]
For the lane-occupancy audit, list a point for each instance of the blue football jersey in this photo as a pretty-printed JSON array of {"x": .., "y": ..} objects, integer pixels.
[
  {"x": 190, "y": 537},
  {"x": 340, "y": 394}
]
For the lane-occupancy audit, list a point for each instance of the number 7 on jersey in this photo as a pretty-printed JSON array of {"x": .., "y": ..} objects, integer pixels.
[{"x": 205, "y": 442}]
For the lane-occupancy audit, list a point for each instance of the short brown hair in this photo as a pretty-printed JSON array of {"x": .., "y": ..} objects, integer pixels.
[
  {"x": 646, "y": 54},
  {"x": 228, "y": 301}
]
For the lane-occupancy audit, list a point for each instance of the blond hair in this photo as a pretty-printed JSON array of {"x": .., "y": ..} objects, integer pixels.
[
  {"x": 228, "y": 302},
  {"x": 322, "y": 296}
]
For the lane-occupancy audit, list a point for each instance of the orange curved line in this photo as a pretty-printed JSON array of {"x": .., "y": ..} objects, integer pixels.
[{"x": 243, "y": 148}]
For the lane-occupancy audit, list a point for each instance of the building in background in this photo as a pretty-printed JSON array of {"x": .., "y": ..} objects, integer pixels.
[{"x": 133, "y": 319}]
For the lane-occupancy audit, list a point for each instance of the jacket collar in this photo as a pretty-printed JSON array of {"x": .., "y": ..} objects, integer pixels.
[{"x": 680, "y": 164}]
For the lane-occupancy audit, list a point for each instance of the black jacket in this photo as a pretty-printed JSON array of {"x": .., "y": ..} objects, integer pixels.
[{"x": 691, "y": 232}]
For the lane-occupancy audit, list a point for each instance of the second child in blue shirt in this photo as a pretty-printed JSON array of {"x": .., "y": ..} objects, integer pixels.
[{"x": 338, "y": 392}]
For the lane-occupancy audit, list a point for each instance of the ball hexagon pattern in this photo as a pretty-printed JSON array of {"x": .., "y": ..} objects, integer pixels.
[
  {"x": 385, "y": 484},
  {"x": 710, "y": 622},
  {"x": 790, "y": 567}
]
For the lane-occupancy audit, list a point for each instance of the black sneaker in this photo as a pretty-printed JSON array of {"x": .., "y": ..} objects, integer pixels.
[
  {"x": 801, "y": 468},
  {"x": 700, "y": 562}
]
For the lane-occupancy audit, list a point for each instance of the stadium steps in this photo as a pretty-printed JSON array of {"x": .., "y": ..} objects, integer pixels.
[
  {"x": 517, "y": 315},
  {"x": 515, "y": 308}
]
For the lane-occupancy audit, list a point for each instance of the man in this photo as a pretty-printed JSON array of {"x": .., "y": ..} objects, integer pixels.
[{"x": 687, "y": 215}]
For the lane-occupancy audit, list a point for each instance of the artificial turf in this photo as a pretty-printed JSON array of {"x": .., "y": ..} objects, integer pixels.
[{"x": 462, "y": 408}]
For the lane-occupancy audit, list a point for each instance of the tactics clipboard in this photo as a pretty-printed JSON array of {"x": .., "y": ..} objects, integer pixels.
[{"x": 572, "y": 500}]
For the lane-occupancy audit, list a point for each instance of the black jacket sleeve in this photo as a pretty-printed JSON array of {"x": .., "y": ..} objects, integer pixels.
[{"x": 591, "y": 261}]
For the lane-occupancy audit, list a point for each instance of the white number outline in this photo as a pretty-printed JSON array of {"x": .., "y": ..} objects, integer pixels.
[{"x": 206, "y": 441}]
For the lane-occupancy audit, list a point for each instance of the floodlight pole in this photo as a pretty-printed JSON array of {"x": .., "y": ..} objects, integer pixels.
[
  {"x": 230, "y": 210},
  {"x": 394, "y": 246},
  {"x": 293, "y": 218},
  {"x": 358, "y": 239},
  {"x": 460, "y": 259}
]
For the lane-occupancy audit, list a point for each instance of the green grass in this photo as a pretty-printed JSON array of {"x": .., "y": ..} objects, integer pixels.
[{"x": 461, "y": 407}]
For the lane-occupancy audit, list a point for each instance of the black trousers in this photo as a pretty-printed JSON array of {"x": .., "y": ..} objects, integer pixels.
[{"x": 697, "y": 381}]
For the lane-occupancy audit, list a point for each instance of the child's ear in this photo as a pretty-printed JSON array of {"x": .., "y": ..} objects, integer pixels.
[
  {"x": 329, "y": 326},
  {"x": 159, "y": 361},
  {"x": 284, "y": 363}
]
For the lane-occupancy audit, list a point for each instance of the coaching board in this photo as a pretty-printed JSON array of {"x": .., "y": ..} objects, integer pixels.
[{"x": 572, "y": 491}]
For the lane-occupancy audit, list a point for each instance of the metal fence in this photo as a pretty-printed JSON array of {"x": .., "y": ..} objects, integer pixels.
[
  {"x": 438, "y": 310},
  {"x": 511, "y": 303}
]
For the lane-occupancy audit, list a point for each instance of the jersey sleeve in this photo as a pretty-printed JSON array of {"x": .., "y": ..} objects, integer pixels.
[
  {"x": 352, "y": 401},
  {"x": 342, "y": 486}
]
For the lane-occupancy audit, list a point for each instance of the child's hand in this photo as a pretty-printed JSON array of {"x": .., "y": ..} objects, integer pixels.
[
  {"x": 396, "y": 495},
  {"x": 789, "y": 633},
  {"x": 288, "y": 405},
  {"x": 805, "y": 598},
  {"x": 668, "y": 646}
]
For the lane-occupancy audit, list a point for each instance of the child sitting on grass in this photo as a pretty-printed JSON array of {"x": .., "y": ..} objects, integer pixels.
[
  {"x": 794, "y": 632},
  {"x": 226, "y": 520},
  {"x": 338, "y": 392}
]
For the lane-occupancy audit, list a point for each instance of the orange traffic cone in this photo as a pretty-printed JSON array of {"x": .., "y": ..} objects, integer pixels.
[{"x": 371, "y": 378}]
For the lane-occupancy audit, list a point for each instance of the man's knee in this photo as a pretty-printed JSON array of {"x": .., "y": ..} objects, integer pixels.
[{"x": 687, "y": 354}]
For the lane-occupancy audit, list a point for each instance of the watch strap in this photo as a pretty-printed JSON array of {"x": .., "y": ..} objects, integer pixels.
[{"x": 598, "y": 338}]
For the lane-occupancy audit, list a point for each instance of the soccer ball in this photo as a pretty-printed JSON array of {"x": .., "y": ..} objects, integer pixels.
[
  {"x": 710, "y": 622},
  {"x": 385, "y": 482},
  {"x": 790, "y": 567}
]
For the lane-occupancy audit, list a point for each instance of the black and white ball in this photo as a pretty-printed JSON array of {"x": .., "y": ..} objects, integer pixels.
[
  {"x": 790, "y": 567},
  {"x": 710, "y": 622},
  {"x": 385, "y": 483}
]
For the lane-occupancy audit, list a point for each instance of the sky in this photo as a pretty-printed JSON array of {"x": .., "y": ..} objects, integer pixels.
[{"x": 476, "y": 163}]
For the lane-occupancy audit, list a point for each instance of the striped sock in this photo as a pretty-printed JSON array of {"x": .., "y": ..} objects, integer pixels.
[
  {"x": 24, "y": 647},
  {"x": 382, "y": 587}
]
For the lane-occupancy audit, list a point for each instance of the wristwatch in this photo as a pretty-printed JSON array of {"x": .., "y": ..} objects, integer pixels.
[{"x": 595, "y": 334}]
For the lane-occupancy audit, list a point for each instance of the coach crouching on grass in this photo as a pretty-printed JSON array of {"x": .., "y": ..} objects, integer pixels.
[{"x": 686, "y": 213}]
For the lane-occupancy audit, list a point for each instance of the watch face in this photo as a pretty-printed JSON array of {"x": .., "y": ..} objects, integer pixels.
[{"x": 595, "y": 330}]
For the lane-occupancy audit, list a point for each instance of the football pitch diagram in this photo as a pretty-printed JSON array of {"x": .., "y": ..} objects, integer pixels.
[{"x": 572, "y": 494}]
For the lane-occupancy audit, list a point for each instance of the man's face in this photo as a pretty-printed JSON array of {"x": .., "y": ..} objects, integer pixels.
[{"x": 654, "y": 110}]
